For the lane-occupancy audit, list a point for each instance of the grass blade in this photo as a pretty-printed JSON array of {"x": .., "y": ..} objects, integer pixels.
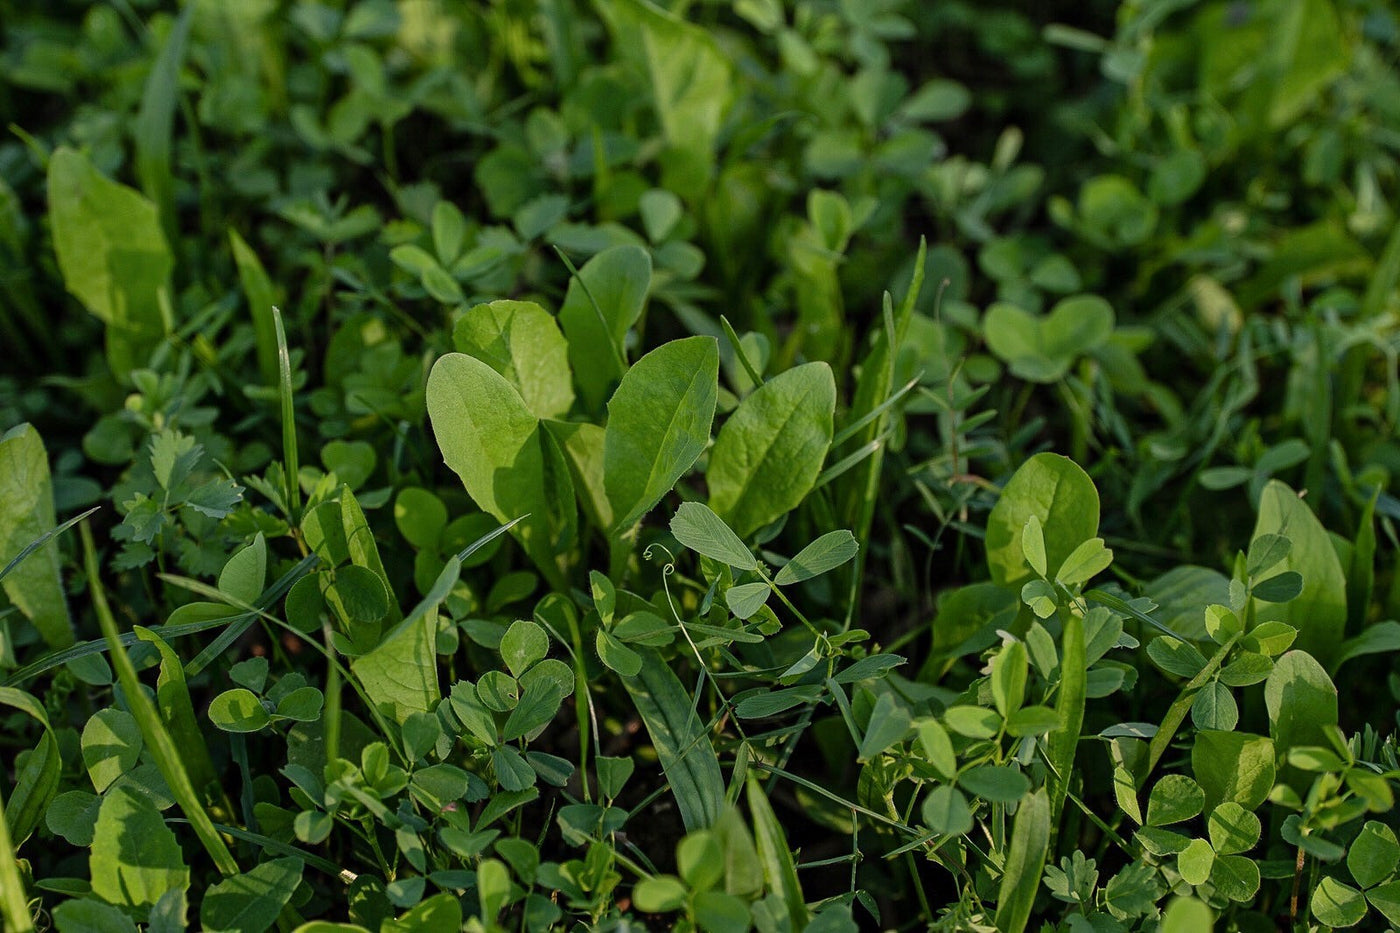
[
  {"x": 43, "y": 539},
  {"x": 683, "y": 747},
  {"x": 289, "y": 418},
  {"x": 261, "y": 294},
  {"x": 1176, "y": 714},
  {"x": 157, "y": 739},
  {"x": 1030, "y": 842},
  {"x": 155, "y": 123}
]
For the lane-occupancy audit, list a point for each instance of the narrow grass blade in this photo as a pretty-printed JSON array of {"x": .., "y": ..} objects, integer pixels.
[
  {"x": 155, "y": 122},
  {"x": 289, "y": 418},
  {"x": 683, "y": 747},
  {"x": 13, "y": 908},
  {"x": 281, "y": 848},
  {"x": 43, "y": 539},
  {"x": 157, "y": 739},
  {"x": 776, "y": 857},
  {"x": 1069, "y": 706},
  {"x": 168, "y": 632},
  {"x": 1030, "y": 842},
  {"x": 260, "y": 292},
  {"x": 490, "y": 536}
]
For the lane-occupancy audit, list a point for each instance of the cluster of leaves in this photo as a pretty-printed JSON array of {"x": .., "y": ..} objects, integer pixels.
[{"x": 596, "y": 541}]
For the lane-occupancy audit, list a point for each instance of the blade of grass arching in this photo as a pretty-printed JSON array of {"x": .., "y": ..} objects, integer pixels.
[
  {"x": 155, "y": 123},
  {"x": 617, "y": 354},
  {"x": 259, "y": 290},
  {"x": 281, "y": 848},
  {"x": 14, "y": 910},
  {"x": 846, "y": 463},
  {"x": 58, "y": 658},
  {"x": 1030, "y": 842},
  {"x": 289, "y": 419},
  {"x": 1062, "y": 743},
  {"x": 850, "y": 430},
  {"x": 776, "y": 856},
  {"x": 153, "y": 731},
  {"x": 682, "y": 746},
  {"x": 43, "y": 539}
]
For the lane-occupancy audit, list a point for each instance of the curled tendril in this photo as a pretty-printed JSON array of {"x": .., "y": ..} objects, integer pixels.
[{"x": 670, "y": 566}]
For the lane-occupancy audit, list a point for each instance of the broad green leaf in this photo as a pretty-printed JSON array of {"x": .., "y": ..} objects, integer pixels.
[
  {"x": 889, "y": 723},
  {"x": 250, "y": 902},
  {"x": 769, "y": 453},
  {"x": 1373, "y": 855},
  {"x": 441, "y": 913},
  {"x": 420, "y": 517},
  {"x": 1233, "y": 829},
  {"x": 1187, "y": 915},
  {"x": 746, "y": 599},
  {"x": 937, "y": 747},
  {"x": 111, "y": 745},
  {"x": 828, "y": 552},
  {"x": 238, "y": 710},
  {"x": 539, "y": 702},
  {"x": 1195, "y": 862},
  {"x": 775, "y": 854},
  {"x": 583, "y": 444},
  {"x": 1030, "y": 841},
  {"x": 400, "y": 674},
  {"x": 1302, "y": 701},
  {"x": 1173, "y": 799},
  {"x": 1319, "y": 613},
  {"x": 523, "y": 644},
  {"x": 659, "y": 894},
  {"x": 946, "y": 812},
  {"x": 1061, "y": 496},
  {"x": 1386, "y": 899},
  {"x": 1010, "y": 668},
  {"x": 1380, "y": 638},
  {"x": 618, "y": 280},
  {"x": 615, "y": 654},
  {"x": 996, "y": 783},
  {"x": 690, "y": 75},
  {"x": 1085, "y": 562},
  {"x": 245, "y": 572},
  {"x": 1233, "y": 766},
  {"x": 658, "y": 425},
  {"x": 697, "y": 527},
  {"x": 361, "y": 546},
  {"x": 682, "y": 744},
  {"x": 26, "y": 513},
  {"x": 135, "y": 858},
  {"x": 1337, "y": 904},
  {"x": 508, "y": 463},
  {"x": 112, "y": 254},
  {"x": 83, "y": 915},
  {"x": 1042, "y": 348},
  {"x": 1033, "y": 545},
  {"x": 522, "y": 342}
]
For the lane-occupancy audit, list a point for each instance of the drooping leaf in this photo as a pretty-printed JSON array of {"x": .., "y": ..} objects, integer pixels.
[
  {"x": 769, "y": 453},
  {"x": 658, "y": 424},
  {"x": 1030, "y": 840}
]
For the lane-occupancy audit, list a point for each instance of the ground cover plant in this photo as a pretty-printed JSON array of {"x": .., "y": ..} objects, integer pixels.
[{"x": 780, "y": 465}]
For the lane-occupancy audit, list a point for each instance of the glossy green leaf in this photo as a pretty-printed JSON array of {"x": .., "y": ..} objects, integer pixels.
[
  {"x": 1337, "y": 904},
  {"x": 770, "y": 451},
  {"x": 1173, "y": 799},
  {"x": 238, "y": 710},
  {"x": 1373, "y": 855},
  {"x": 1301, "y": 700},
  {"x": 658, "y": 425},
  {"x": 1233, "y": 766},
  {"x": 746, "y": 599}
]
